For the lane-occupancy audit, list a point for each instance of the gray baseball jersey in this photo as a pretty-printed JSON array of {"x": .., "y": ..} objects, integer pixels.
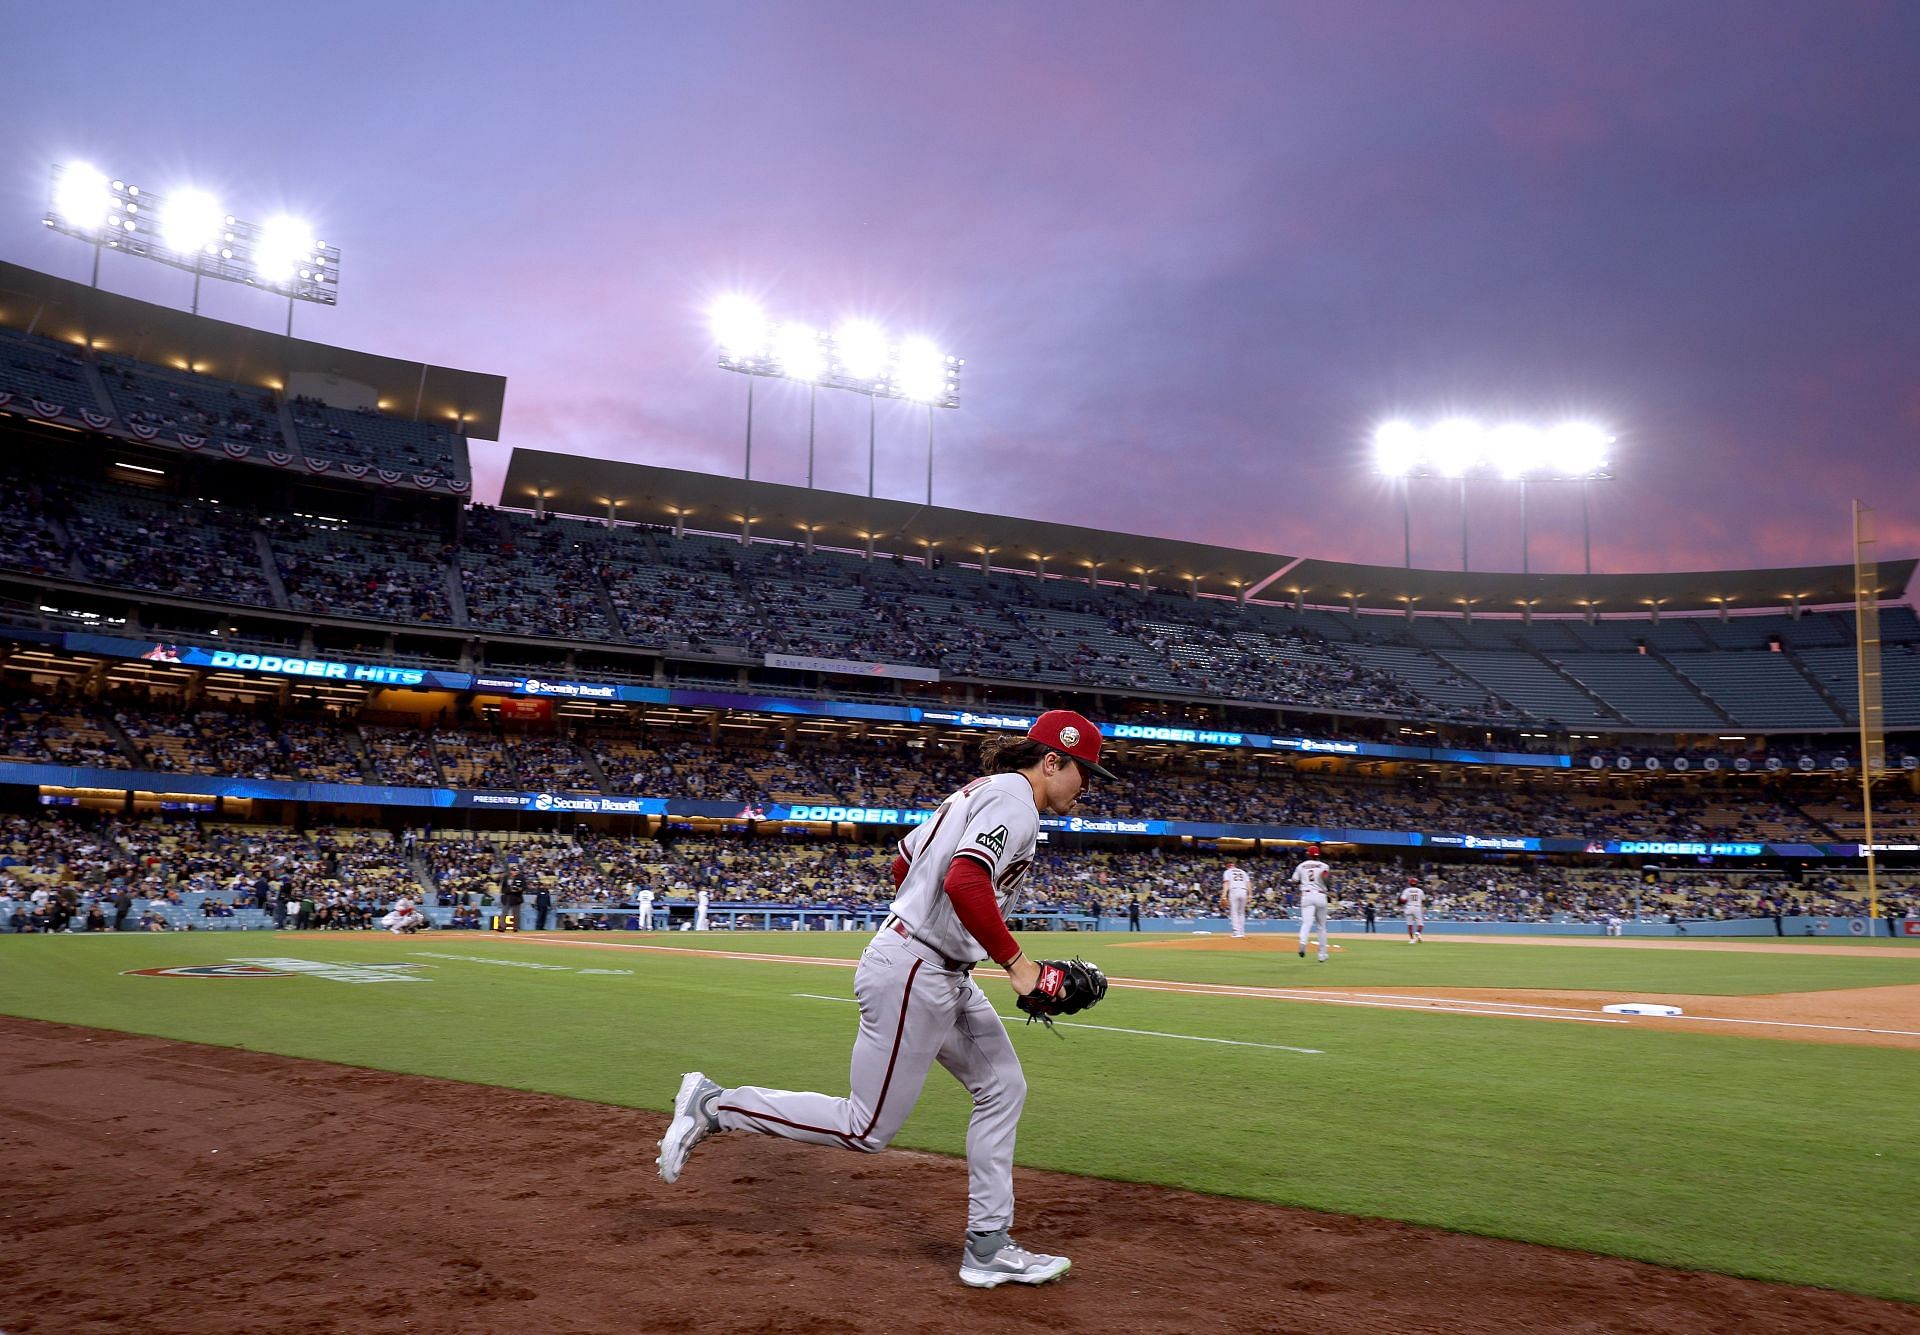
[
  {"x": 920, "y": 1005},
  {"x": 993, "y": 821}
]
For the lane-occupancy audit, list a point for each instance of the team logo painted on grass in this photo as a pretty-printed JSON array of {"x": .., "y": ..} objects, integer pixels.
[
  {"x": 284, "y": 967},
  {"x": 210, "y": 971}
]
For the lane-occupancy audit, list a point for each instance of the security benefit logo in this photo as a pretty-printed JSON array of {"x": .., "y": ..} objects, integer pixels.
[{"x": 277, "y": 966}]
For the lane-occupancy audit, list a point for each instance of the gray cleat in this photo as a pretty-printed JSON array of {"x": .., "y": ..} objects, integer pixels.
[
  {"x": 990, "y": 1261},
  {"x": 693, "y": 1121}
]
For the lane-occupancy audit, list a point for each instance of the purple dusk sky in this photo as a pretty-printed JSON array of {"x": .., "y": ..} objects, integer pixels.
[{"x": 1192, "y": 253}]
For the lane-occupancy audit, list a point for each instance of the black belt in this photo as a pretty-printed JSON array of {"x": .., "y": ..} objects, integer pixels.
[{"x": 955, "y": 966}]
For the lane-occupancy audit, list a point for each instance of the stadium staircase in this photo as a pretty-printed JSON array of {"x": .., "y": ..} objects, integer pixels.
[
  {"x": 357, "y": 748},
  {"x": 605, "y": 599},
  {"x": 1824, "y": 827},
  {"x": 1848, "y": 712},
  {"x": 1688, "y": 685},
  {"x": 284, "y": 415},
  {"x": 439, "y": 765},
  {"x": 272, "y": 571},
  {"x": 456, "y": 593},
  {"x": 96, "y": 384},
  {"x": 1607, "y": 712},
  {"x": 104, "y": 721},
  {"x": 423, "y": 876},
  {"x": 591, "y": 764}
]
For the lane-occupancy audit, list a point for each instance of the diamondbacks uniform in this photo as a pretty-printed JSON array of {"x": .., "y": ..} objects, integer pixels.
[
  {"x": 1237, "y": 886},
  {"x": 1311, "y": 877},
  {"x": 1413, "y": 907},
  {"x": 919, "y": 1004}
]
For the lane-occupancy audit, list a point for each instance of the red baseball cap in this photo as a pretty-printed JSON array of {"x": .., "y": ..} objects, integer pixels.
[{"x": 1071, "y": 735}]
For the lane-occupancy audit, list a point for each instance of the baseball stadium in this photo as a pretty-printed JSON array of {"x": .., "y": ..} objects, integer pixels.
[{"x": 640, "y": 744}]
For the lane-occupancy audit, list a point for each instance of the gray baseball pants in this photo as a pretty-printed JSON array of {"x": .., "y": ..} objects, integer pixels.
[{"x": 914, "y": 1011}]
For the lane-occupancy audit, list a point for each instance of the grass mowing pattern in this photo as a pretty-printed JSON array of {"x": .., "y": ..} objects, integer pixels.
[{"x": 1782, "y": 1160}]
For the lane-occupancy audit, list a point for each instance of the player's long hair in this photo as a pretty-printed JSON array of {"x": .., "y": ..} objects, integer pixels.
[{"x": 1007, "y": 754}]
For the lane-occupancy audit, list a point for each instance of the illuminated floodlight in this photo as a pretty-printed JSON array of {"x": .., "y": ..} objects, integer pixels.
[
  {"x": 192, "y": 222},
  {"x": 285, "y": 249},
  {"x": 1454, "y": 447},
  {"x": 192, "y": 231},
  {"x": 739, "y": 327},
  {"x": 797, "y": 348},
  {"x": 920, "y": 371},
  {"x": 1580, "y": 449},
  {"x": 858, "y": 355},
  {"x": 1516, "y": 451},
  {"x": 83, "y": 199},
  {"x": 1396, "y": 448},
  {"x": 860, "y": 349}
]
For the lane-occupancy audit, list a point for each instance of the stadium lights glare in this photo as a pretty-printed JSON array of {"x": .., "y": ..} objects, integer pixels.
[
  {"x": 1459, "y": 448},
  {"x": 857, "y": 356},
  {"x": 860, "y": 350},
  {"x": 797, "y": 349},
  {"x": 189, "y": 229},
  {"x": 82, "y": 199},
  {"x": 193, "y": 222},
  {"x": 739, "y": 327},
  {"x": 287, "y": 250}
]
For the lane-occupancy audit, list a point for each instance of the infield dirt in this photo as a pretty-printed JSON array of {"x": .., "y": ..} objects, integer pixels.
[{"x": 148, "y": 1185}]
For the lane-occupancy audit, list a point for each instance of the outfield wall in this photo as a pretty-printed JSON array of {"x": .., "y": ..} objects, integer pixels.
[{"x": 1839, "y": 929}]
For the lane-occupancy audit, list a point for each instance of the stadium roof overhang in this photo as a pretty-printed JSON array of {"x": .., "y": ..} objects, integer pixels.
[
  {"x": 1333, "y": 583},
  {"x": 646, "y": 494},
  {"x": 127, "y": 327}
]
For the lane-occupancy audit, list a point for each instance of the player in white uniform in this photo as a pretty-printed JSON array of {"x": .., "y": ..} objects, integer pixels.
[
  {"x": 957, "y": 877},
  {"x": 1413, "y": 907},
  {"x": 1311, "y": 877},
  {"x": 404, "y": 919},
  {"x": 1235, "y": 886},
  {"x": 646, "y": 910},
  {"x": 700, "y": 912}
]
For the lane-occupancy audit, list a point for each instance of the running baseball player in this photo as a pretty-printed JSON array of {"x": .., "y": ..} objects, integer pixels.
[
  {"x": 956, "y": 877},
  {"x": 1311, "y": 877},
  {"x": 1413, "y": 907},
  {"x": 1235, "y": 886}
]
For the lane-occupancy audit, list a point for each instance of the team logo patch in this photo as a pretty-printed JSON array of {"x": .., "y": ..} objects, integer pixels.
[
  {"x": 211, "y": 971},
  {"x": 1069, "y": 737},
  {"x": 994, "y": 840}
]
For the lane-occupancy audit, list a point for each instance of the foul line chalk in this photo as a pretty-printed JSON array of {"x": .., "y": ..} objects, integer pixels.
[{"x": 1142, "y": 1033}]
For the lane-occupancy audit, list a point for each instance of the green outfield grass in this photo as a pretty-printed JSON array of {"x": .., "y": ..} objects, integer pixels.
[
  {"x": 1784, "y": 1160},
  {"x": 1386, "y": 960}
]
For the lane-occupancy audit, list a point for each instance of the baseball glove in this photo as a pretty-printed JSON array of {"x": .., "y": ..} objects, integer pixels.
[{"x": 1066, "y": 987}]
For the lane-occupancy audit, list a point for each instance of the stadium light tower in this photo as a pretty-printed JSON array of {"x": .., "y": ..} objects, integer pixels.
[
  {"x": 1460, "y": 448},
  {"x": 857, "y": 356},
  {"x": 189, "y": 229}
]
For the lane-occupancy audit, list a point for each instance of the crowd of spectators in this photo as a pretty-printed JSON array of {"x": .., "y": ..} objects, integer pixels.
[
  {"x": 57, "y": 729},
  {"x": 392, "y": 575},
  {"x": 402, "y": 756},
  {"x": 136, "y": 540},
  {"x": 59, "y": 872},
  {"x": 760, "y": 768}
]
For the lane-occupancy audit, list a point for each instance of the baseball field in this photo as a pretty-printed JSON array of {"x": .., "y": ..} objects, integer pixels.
[{"x": 1218, "y": 1145}]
